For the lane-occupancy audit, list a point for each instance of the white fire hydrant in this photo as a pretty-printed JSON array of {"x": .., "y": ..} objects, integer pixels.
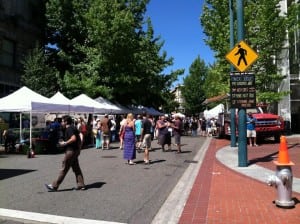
[{"x": 283, "y": 181}]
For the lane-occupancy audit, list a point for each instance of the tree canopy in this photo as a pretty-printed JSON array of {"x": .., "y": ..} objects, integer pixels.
[
  {"x": 192, "y": 89},
  {"x": 106, "y": 48},
  {"x": 265, "y": 31}
]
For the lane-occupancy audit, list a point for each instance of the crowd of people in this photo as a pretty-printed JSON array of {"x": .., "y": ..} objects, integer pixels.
[
  {"x": 133, "y": 130},
  {"x": 138, "y": 132},
  {"x": 135, "y": 134},
  {"x": 101, "y": 130}
]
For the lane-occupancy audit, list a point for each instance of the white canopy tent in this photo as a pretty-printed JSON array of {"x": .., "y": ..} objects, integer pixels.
[
  {"x": 114, "y": 109},
  {"x": 70, "y": 106},
  {"x": 97, "y": 107},
  {"x": 179, "y": 115},
  {"x": 214, "y": 112},
  {"x": 26, "y": 100}
]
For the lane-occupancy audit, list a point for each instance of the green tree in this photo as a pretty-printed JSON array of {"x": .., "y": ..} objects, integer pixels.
[
  {"x": 107, "y": 48},
  {"x": 216, "y": 82},
  {"x": 66, "y": 31},
  {"x": 264, "y": 32},
  {"x": 131, "y": 63},
  {"x": 192, "y": 89},
  {"x": 39, "y": 76}
]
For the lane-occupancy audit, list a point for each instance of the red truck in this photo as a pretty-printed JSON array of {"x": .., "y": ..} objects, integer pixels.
[{"x": 267, "y": 125}]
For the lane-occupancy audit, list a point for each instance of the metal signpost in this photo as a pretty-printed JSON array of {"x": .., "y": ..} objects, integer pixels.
[
  {"x": 242, "y": 85},
  {"x": 242, "y": 92}
]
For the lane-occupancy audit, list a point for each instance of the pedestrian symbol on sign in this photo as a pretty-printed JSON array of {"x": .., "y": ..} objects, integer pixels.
[
  {"x": 242, "y": 56},
  {"x": 242, "y": 52}
]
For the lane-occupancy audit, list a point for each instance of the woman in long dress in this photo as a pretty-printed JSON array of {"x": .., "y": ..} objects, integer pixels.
[
  {"x": 98, "y": 135},
  {"x": 129, "y": 140}
]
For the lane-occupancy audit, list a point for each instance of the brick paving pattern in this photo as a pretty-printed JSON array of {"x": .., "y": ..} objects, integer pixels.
[{"x": 222, "y": 196}]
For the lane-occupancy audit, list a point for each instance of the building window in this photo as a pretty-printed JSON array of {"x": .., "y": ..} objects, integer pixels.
[
  {"x": 7, "y": 53},
  {"x": 295, "y": 92}
]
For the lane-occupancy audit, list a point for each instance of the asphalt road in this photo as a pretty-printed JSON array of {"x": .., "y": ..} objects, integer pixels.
[{"x": 116, "y": 192}]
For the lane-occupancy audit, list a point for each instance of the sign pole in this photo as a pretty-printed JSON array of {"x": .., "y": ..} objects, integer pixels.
[
  {"x": 242, "y": 138},
  {"x": 232, "y": 110}
]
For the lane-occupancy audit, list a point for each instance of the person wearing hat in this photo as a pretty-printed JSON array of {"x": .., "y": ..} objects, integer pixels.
[{"x": 251, "y": 132}]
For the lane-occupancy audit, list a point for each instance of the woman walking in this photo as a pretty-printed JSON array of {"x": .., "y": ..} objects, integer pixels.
[{"x": 129, "y": 140}]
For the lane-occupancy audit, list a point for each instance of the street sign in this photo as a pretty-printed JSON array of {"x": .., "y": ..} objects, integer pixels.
[
  {"x": 242, "y": 91},
  {"x": 242, "y": 56}
]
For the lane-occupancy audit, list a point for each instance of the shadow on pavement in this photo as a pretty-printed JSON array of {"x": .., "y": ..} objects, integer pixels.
[
  {"x": 264, "y": 159},
  {"x": 157, "y": 161},
  {"x": 8, "y": 173},
  {"x": 95, "y": 185},
  {"x": 87, "y": 187}
]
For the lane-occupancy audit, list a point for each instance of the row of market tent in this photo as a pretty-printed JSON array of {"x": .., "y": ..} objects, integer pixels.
[{"x": 26, "y": 100}]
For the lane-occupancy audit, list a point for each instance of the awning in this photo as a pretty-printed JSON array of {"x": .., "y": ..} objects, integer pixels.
[{"x": 215, "y": 99}]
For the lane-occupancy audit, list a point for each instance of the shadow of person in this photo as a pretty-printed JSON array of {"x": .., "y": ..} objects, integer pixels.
[
  {"x": 87, "y": 187},
  {"x": 157, "y": 161},
  {"x": 95, "y": 185}
]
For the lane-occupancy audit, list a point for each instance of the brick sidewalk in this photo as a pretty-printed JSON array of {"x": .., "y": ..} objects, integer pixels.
[{"x": 223, "y": 196}]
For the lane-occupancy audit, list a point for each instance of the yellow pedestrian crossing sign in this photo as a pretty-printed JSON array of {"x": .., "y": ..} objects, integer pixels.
[{"x": 242, "y": 56}]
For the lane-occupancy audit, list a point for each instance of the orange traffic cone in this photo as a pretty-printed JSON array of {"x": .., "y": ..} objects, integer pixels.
[{"x": 283, "y": 156}]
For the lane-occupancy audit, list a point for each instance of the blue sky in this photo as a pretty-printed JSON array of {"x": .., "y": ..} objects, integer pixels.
[{"x": 178, "y": 24}]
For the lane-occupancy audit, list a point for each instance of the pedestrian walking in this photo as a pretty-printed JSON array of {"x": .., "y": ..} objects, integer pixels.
[
  {"x": 82, "y": 127},
  {"x": 129, "y": 140},
  {"x": 146, "y": 136},
  {"x": 72, "y": 145},
  {"x": 123, "y": 123},
  {"x": 177, "y": 130},
  {"x": 203, "y": 127},
  {"x": 138, "y": 132},
  {"x": 113, "y": 128},
  {"x": 164, "y": 135},
  {"x": 194, "y": 126},
  {"x": 105, "y": 131},
  {"x": 98, "y": 134}
]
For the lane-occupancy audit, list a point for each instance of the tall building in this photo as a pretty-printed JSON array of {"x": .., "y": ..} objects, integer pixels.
[
  {"x": 178, "y": 98},
  {"x": 289, "y": 64},
  {"x": 21, "y": 27}
]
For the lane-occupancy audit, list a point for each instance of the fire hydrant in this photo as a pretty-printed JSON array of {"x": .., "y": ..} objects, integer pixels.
[{"x": 283, "y": 180}]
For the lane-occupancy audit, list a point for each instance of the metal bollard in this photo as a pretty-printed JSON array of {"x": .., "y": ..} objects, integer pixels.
[{"x": 283, "y": 181}]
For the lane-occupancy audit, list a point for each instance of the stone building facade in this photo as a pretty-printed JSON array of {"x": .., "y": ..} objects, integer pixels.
[
  {"x": 289, "y": 63},
  {"x": 21, "y": 27}
]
